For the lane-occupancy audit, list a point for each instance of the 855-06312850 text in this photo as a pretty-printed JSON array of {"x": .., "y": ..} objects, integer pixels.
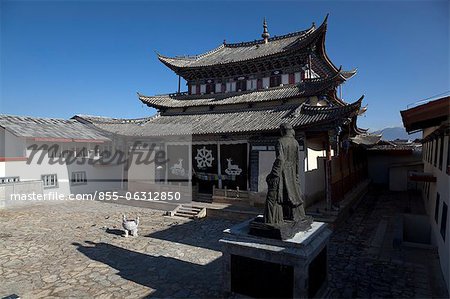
[{"x": 150, "y": 196}]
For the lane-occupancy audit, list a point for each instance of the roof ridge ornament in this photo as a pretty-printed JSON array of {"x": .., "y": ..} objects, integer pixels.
[{"x": 265, "y": 35}]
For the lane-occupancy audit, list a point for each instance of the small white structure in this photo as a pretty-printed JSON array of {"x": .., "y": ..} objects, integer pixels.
[{"x": 130, "y": 226}]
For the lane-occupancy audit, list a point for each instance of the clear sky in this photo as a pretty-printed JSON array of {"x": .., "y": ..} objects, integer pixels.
[{"x": 91, "y": 57}]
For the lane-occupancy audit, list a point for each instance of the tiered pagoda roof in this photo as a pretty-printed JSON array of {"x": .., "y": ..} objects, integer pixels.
[
  {"x": 310, "y": 105},
  {"x": 300, "y": 116},
  {"x": 307, "y": 88},
  {"x": 289, "y": 50}
]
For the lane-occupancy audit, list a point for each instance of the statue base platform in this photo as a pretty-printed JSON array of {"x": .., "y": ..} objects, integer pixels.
[
  {"x": 260, "y": 267},
  {"x": 283, "y": 231}
]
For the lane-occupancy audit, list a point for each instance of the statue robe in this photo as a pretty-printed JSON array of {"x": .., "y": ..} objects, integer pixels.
[{"x": 284, "y": 199}]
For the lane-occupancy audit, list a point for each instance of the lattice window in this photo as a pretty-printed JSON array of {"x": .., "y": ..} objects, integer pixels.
[
  {"x": 9, "y": 179},
  {"x": 78, "y": 178},
  {"x": 50, "y": 180}
]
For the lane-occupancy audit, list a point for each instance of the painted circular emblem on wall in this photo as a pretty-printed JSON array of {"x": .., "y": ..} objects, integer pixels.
[{"x": 204, "y": 158}]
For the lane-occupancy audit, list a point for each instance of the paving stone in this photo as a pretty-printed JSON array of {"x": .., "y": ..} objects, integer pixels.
[
  {"x": 389, "y": 275},
  {"x": 71, "y": 254}
]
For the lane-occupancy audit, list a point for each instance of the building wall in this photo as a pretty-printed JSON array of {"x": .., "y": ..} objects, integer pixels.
[
  {"x": 10, "y": 145},
  {"x": 2, "y": 169},
  {"x": 380, "y": 161},
  {"x": 430, "y": 194},
  {"x": 266, "y": 159},
  {"x": 99, "y": 178},
  {"x": 141, "y": 176},
  {"x": 314, "y": 171},
  {"x": 398, "y": 177}
]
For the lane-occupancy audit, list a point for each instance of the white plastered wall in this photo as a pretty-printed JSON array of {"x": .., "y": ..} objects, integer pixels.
[
  {"x": 100, "y": 178},
  {"x": 441, "y": 186}
]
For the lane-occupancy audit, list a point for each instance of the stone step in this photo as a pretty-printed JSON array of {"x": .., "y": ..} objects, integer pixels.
[
  {"x": 185, "y": 214},
  {"x": 185, "y": 208},
  {"x": 189, "y": 211}
]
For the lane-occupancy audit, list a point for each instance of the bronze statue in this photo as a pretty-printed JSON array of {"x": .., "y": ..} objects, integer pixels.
[
  {"x": 284, "y": 214},
  {"x": 284, "y": 199}
]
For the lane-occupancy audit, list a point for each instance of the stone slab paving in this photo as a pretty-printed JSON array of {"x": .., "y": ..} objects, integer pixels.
[
  {"x": 365, "y": 264},
  {"x": 74, "y": 250}
]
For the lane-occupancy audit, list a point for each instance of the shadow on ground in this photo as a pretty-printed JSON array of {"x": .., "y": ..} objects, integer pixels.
[
  {"x": 114, "y": 231},
  {"x": 366, "y": 262},
  {"x": 169, "y": 277},
  {"x": 204, "y": 233}
]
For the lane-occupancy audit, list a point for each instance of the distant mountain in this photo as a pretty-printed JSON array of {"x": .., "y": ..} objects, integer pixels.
[{"x": 397, "y": 133}]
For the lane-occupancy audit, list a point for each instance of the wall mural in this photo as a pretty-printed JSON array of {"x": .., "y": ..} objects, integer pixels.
[
  {"x": 205, "y": 162},
  {"x": 232, "y": 169},
  {"x": 178, "y": 163},
  {"x": 233, "y": 164},
  {"x": 178, "y": 169},
  {"x": 204, "y": 158}
]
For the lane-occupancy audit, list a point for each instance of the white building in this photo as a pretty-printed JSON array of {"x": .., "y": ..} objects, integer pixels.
[
  {"x": 432, "y": 119},
  {"x": 53, "y": 157}
]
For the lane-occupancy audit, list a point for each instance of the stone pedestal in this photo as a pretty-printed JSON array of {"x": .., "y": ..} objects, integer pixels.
[{"x": 267, "y": 268}]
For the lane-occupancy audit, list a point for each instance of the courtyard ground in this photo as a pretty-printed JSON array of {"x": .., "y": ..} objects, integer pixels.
[{"x": 74, "y": 249}]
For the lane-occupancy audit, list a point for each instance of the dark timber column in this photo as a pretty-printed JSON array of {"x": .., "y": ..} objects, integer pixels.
[{"x": 328, "y": 170}]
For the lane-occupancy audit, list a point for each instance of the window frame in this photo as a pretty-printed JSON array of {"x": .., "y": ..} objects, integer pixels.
[
  {"x": 275, "y": 80},
  {"x": 9, "y": 179},
  {"x": 436, "y": 207},
  {"x": 441, "y": 152},
  {"x": 44, "y": 181},
  {"x": 241, "y": 85},
  {"x": 448, "y": 155},
  {"x": 436, "y": 144},
  {"x": 444, "y": 219},
  {"x": 210, "y": 88},
  {"x": 74, "y": 181}
]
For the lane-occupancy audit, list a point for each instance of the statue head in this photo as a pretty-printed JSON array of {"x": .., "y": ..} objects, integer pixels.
[{"x": 286, "y": 129}]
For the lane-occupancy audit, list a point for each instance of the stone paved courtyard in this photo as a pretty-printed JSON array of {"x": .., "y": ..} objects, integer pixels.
[
  {"x": 364, "y": 262},
  {"x": 74, "y": 249}
]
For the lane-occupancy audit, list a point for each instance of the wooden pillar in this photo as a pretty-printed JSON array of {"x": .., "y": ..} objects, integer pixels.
[
  {"x": 341, "y": 169},
  {"x": 350, "y": 172},
  {"x": 219, "y": 167},
  {"x": 328, "y": 172}
]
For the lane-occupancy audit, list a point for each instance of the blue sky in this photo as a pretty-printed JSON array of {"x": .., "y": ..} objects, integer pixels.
[{"x": 63, "y": 58}]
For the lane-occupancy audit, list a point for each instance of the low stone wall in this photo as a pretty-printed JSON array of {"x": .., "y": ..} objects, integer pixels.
[{"x": 20, "y": 188}]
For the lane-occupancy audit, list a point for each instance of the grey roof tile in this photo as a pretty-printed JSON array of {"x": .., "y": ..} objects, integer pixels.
[
  {"x": 229, "y": 53},
  {"x": 235, "y": 121},
  {"x": 304, "y": 89},
  {"x": 36, "y": 127}
]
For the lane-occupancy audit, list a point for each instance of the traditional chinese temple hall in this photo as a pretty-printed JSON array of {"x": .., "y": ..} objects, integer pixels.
[{"x": 238, "y": 95}]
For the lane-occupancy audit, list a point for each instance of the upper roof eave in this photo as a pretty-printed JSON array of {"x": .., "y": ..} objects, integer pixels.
[
  {"x": 251, "y": 120},
  {"x": 178, "y": 63},
  {"x": 306, "y": 88}
]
